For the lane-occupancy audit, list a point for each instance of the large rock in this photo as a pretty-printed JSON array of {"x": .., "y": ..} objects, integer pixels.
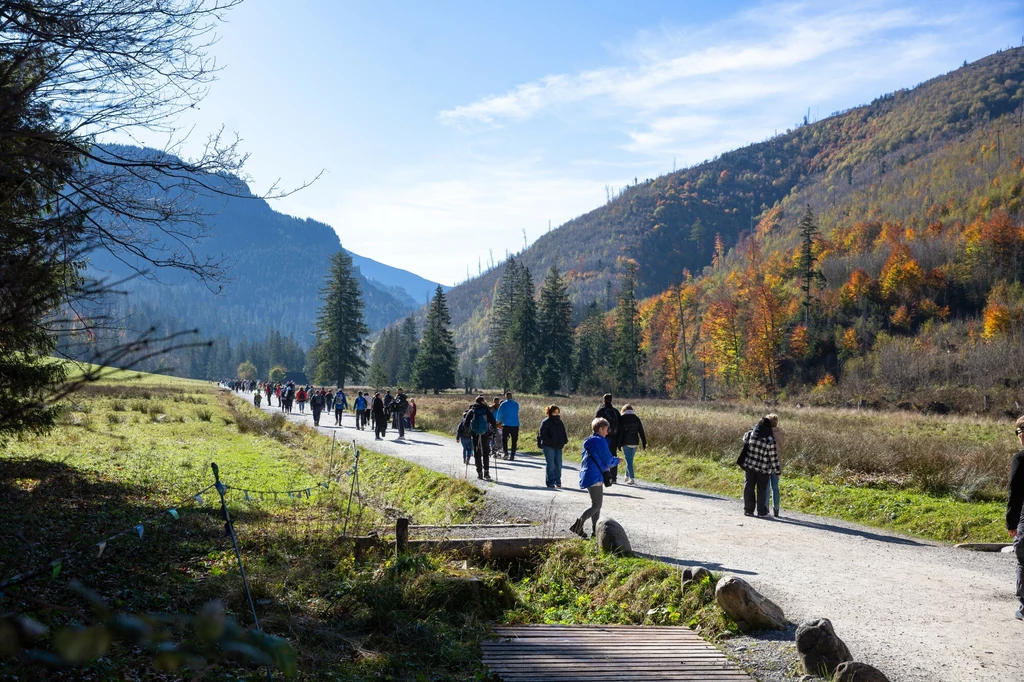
[
  {"x": 611, "y": 537},
  {"x": 858, "y": 672},
  {"x": 820, "y": 649},
  {"x": 749, "y": 608}
]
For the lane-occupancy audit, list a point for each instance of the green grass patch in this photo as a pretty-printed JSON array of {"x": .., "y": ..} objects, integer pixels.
[{"x": 936, "y": 517}]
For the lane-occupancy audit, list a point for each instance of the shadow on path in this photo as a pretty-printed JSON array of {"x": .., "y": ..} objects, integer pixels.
[
  {"x": 867, "y": 535},
  {"x": 681, "y": 562}
]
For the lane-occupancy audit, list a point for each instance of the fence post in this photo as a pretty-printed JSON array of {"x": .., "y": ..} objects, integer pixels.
[
  {"x": 229, "y": 530},
  {"x": 402, "y": 535}
]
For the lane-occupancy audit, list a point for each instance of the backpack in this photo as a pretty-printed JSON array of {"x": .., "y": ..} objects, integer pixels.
[
  {"x": 479, "y": 426},
  {"x": 400, "y": 405}
]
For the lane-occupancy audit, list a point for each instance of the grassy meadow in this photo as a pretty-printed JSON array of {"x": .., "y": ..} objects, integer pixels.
[
  {"x": 937, "y": 477},
  {"x": 130, "y": 447}
]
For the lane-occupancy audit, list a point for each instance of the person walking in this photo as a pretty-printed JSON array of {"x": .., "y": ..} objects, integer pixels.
[
  {"x": 464, "y": 436},
  {"x": 608, "y": 412},
  {"x": 340, "y": 405},
  {"x": 380, "y": 420},
  {"x": 508, "y": 416},
  {"x": 759, "y": 459},
  {"x": 595, "y": 473},
  {"x": 398, "y": 408},
  {"x": 388, "y": 399},
  {"x": 1014, "y": 515},
  {"x": 773, "y": 479},
  {"x": 631, "y": 435},
  {"x": 257, "y": 398},
  {"x": 301, "y": 396},
  {"x": 316, "y": 404},
  {"x": 495, "y": 432},
  {"x": 360, "y": 407},
  {"x": 480, "y": 422},
  {"x": 412, "y": 413},
  {"x": 329, "y": 401},
  {"x": 552, "y": 439}
]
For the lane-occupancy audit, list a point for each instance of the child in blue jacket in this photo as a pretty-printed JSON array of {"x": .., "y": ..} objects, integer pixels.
[{"x": 597, "y": 459}]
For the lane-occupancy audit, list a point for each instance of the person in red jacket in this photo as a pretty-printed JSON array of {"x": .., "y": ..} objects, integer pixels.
[{"x": 1014, "y": 518}]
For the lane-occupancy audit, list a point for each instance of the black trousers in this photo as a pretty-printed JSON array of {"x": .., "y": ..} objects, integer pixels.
[
  {"x": 380, "y": 425},
  {"x": 482, "y": 453},
  {"x": 506, "y": 433},
  {"x": 755, "y": 490}
]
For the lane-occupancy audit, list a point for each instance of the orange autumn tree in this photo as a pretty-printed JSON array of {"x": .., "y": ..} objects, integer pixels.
[
  {"x": 766, "y": 297},
  {"x": 721, "y": 347},
  {"x": 902, "y": 277}
]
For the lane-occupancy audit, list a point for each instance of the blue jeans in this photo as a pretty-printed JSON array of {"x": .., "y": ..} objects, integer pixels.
[
  {"x": 553, "y": 469},
  {"x": 467, "y": 448},
  {"x": 629, "y": 451},
  {"x": 773, "y": 485}
]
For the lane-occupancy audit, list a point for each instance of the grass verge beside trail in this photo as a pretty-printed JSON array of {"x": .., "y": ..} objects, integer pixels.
[
  {"x": 129, "y": 449},
  {"x": 938, "y": 477}
]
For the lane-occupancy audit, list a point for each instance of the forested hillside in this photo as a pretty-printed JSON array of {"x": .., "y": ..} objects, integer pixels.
[
  {"x": 914, "y": 229},
  {"x": 276, "y": 265}
]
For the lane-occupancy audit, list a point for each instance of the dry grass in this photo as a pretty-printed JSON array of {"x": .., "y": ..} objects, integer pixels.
[{"x": 960, "y": 455}]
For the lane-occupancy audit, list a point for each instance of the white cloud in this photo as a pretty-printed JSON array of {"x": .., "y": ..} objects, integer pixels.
[{"x": 678, "y": 90}]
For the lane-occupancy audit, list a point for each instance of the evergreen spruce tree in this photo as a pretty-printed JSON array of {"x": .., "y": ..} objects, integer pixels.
[
  {"x": 340, "y": 344},
  {"x": 626, "y": 352},
  {"x": 592, "y": 352},
  {"x": 807, "y": 260},
  {"x": 502, "y": 353},
  {"x": 409, "y": 346},
  {"x": 435, "y": 363},
  {"x": 555, "y": 332},
  {"x": 524, "y": 331}
]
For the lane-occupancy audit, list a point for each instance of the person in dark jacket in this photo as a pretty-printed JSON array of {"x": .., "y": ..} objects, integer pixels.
[
  {"x": 316, "y": 404},
  {"x": 398, "y": 409},
  {"x": 759, "y": 459},
  {"x": 1014, "y": 517},
  {"x": 380, "y": 419},
  {"x": 631, "y": 436},
  {"x": 480, "y": 422},
  {"x": 551, "y": 439},
  {"x": 596, "y": 460},
  {"x": 612, "y": 416}
]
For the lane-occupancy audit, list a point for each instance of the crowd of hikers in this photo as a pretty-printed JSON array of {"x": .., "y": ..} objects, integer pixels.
[{"x": 398, "y": 410}]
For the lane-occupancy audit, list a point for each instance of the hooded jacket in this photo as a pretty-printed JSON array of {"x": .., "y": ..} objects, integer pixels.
[
  {"x": 552, "y": 433},
  {"x": 631, "y": 430}
]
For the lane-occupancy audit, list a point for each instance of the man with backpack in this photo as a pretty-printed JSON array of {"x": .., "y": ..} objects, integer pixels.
[
  {"x": 508, "y": 416},
  {"x": 316, "y": 404},
  {"x": 479, "y": 420},
  {"x": 612, "y": 416},
  {"x": 360, "y": 407},
  {"x": 340, "y": 405},
  {"x": 398, "y": 408}
]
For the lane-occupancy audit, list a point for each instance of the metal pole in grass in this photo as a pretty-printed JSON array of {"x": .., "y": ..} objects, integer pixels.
[
  {"x": 229, "y": 530},
  {"x": 352, "y": 488}
]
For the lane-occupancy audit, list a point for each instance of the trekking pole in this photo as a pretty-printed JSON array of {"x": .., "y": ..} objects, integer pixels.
[
  {"x": 229, "y": 529},
  {"x": 495, "y": 461}
]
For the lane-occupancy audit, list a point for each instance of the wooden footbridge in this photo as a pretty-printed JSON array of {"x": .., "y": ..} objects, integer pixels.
[{"x": 605, "y": 653}]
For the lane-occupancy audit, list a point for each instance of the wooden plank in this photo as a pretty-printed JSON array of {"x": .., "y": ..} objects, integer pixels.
[{"x": 605, "y": 653}]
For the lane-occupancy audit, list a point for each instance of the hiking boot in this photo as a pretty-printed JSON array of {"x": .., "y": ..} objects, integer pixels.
[
  {"x": 558, "y": 485},
  {"x": 775, "y": 512},
  {"x": 480, "y": 477},
  {"x": 577, "y": 528},
  {"x": 746, "y": 513},
  {"x": 487, "y": 477},
  {"x": 1020, "y": 613}
]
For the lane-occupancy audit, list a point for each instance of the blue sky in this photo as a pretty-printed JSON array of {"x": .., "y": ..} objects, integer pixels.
[{"x": 446, "y": 129}]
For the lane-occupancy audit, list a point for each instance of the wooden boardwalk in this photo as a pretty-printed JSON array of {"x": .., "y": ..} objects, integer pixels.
[{"x": 605, "y": 653}]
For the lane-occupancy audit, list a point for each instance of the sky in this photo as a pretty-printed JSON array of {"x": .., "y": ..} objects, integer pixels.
[{"x": 451, "y": 132}]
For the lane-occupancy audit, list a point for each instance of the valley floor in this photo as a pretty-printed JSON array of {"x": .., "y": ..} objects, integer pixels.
[{"x": 917, "y": 610}]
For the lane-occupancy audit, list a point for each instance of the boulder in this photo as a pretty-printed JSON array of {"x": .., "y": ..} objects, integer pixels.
[
  {"x": 749, "y": 608},
  {"x": 611, "y": 537},
  {"x": 820, "y": 649},
  {"x": 858, "y": 672},
  {"x": 699, "y": 573}
]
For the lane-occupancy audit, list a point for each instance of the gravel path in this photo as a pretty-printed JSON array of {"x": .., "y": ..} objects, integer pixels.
[{"x": 916, "y": 610}]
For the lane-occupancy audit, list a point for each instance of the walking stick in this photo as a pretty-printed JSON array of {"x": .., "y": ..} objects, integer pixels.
[{"x": 495, "y": 461}]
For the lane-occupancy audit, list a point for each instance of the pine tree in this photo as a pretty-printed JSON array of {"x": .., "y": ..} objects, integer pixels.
[
  {"x": 556, "y": 333},
  {"x": 592, "y": 350},
  {"x": 383, "y": 369},
  {"x": 626, "y": 352},
  {"x": 807, "y": 260},
  {"x": 502, "y": 354},
  {"x": 435, "y": 363},
  {"x": 409, "y": 347},
  {"x": 523, "y": 334},
  {"x": 340, "y": 344}
]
